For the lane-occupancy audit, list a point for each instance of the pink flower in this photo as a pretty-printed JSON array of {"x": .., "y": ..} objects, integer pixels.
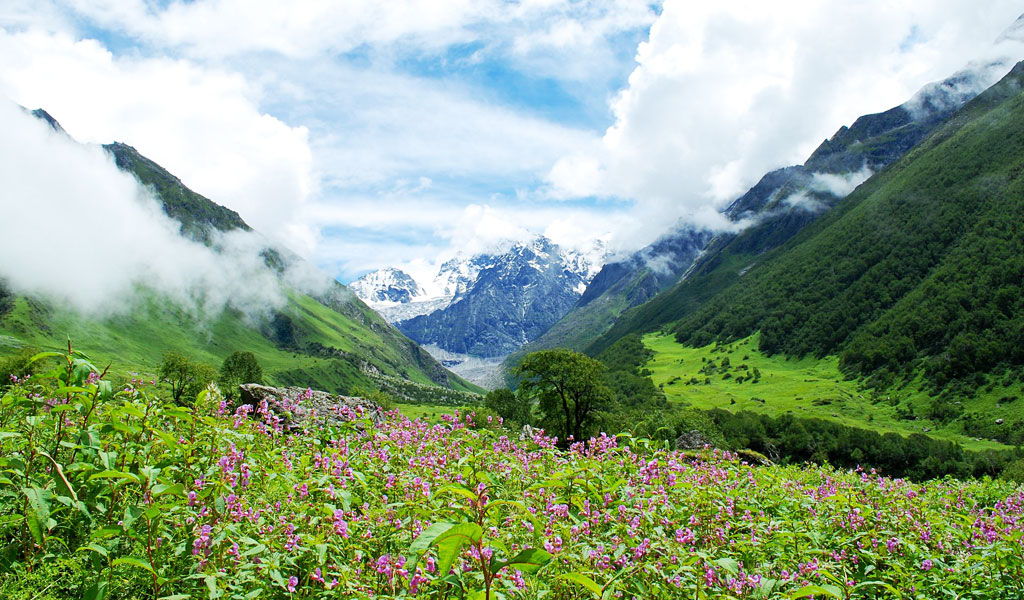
[{"x": 293, "y": 582}]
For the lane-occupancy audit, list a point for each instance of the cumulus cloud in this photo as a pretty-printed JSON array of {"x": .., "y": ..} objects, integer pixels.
[
  {"x": 201, "y": 123},
  {"x": 723, "y": 93},
  {"x": 78, "y": 230}
]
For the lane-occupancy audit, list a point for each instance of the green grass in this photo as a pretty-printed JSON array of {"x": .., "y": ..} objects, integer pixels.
[
  {"x": 136, "y": 342},
  {"x": 805, "y": 387},
  {"x": 426, "y": 412}
]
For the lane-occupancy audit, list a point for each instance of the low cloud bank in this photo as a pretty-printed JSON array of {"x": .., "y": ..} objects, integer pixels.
[{"x": 77, "y": 230}]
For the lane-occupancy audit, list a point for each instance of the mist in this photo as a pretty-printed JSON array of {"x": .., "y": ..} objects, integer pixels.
[{"x": 80, "y": 232}]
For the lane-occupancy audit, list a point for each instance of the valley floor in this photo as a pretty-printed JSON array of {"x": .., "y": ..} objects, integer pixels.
[{"x": 806, "y": 387}]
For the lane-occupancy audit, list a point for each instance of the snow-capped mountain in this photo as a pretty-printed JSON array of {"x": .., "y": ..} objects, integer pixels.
[
  {"x": 387, "y": 286},
  {"x": 485, "y": 305},
  {"x": 513, "y": 298}
]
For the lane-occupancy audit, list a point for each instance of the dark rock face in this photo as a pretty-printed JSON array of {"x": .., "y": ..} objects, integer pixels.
[
  {"x": 298, "y": 407},
  {"x": 45, "y": 116},
  {"x": 513, "y": 300},
  {"x": 651, "y": 269}
]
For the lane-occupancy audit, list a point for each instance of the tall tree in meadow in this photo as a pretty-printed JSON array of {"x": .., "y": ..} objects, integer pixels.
[
  {"x": 238, "y": 368},
  {"x": 185, "y": 376},
  {"x": 569, "y": 389}
]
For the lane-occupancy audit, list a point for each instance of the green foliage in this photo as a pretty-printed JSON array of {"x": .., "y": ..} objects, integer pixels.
[
  {"x": 627, "y": 376},
  {"x": 667, "y": 424},
  {"x": 113, "y": 494},
  {"x": 198, "y": 216},
  {"x": 1014, "y": 471},
  {"x": 185, "y": 376},
  {"x": 19, "y": 364},
  {"x": 238, "y": 368},
  {"x": 920, "y": 268},
  {"x": 511, "y": 408},
  {"x": 568, "y": 388},
  {"x": 792, "y": 439}
]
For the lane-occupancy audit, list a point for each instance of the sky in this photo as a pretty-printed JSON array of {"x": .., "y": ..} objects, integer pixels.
[{"x": 364, "y": 134}]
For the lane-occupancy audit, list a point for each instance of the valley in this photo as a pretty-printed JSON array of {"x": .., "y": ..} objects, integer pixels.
[{"x": 554, "y": 300}]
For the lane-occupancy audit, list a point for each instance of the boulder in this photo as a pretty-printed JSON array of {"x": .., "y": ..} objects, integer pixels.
[
  {"x": 693, "y": 440},
  {"x": 302, "y": 407}
]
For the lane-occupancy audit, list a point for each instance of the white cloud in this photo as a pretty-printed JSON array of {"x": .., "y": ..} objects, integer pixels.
[
  {"x": 839, "y": 185},
  {"x": 214, "y": 90},
  {"x": 724, "y": 92},
  {"x": 529, "y": 29},
  {"x": 201, "y": 123},
  {"x": 104, "y": 237},
  {"x": 374, "y": 127}
]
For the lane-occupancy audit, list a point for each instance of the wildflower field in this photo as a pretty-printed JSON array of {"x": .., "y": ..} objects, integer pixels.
[{"x": 114, "y": 493}]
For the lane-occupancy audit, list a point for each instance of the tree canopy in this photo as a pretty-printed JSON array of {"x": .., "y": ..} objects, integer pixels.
[
  {"x": 569, "y": 389},
  {"x": 238, "y": 368},
  {"x": 185, "y": 376}
]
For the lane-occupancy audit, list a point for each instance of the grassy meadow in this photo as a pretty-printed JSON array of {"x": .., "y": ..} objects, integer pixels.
[{"x": 807, "y": 387}]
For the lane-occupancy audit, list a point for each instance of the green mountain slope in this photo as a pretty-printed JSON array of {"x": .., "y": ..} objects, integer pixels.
[
  {"x": 331, "y": 341},
  {"x": 783, "y": 202},
  {"x": 737, "y": 260},
  {"x": 916, "y": 267},
  {"x": 913, "y": 284}
]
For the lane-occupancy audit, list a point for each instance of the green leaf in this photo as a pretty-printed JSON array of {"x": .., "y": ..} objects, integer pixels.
[
  {"x": 530, "y": 560},
  {"x": 175, "y": 489},
  {"x": 211, "y": 584},
  {"x": 95, "y": 548},
  {"x": 105, "y": 390},
  {"x": 450, "y": 543},
  {"x": 43, "y": 355},
  {"x": 60, "y": 479},
  {"x": 816, "y": 590},
  {"x": 96, "y": 591},
  {"x": 40, "y": 508},
  {"x": 424, "y": 541},
  {"x": 111, "y": 474},
  {"x": 35, "y": 527},
  {"x": 132, "y": 561},
  {"x": 729, "y": 565},
  {"x": 459, "y": 491},
  {"x": 583, "y": 580}
]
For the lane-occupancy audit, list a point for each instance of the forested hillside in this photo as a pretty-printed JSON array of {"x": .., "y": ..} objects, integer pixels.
[
  {"x": 913, "y": 270},
  {"x": 776, "y": 208},
  {"x": 920, "y": 267}
]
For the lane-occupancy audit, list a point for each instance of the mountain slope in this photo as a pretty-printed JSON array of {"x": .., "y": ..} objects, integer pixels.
[
  {"x": 621, "y": 285},
  {"x": 787, "y": 200},
  {"x": 920, "y": 268},
  {"x": 330, "y": 339}
]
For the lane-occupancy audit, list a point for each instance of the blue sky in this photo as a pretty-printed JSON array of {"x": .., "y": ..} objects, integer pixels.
[{"x": 365, "y": 134}]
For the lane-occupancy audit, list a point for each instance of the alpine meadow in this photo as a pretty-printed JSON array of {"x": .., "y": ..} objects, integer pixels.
[{"x": 511, "y": 300}]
